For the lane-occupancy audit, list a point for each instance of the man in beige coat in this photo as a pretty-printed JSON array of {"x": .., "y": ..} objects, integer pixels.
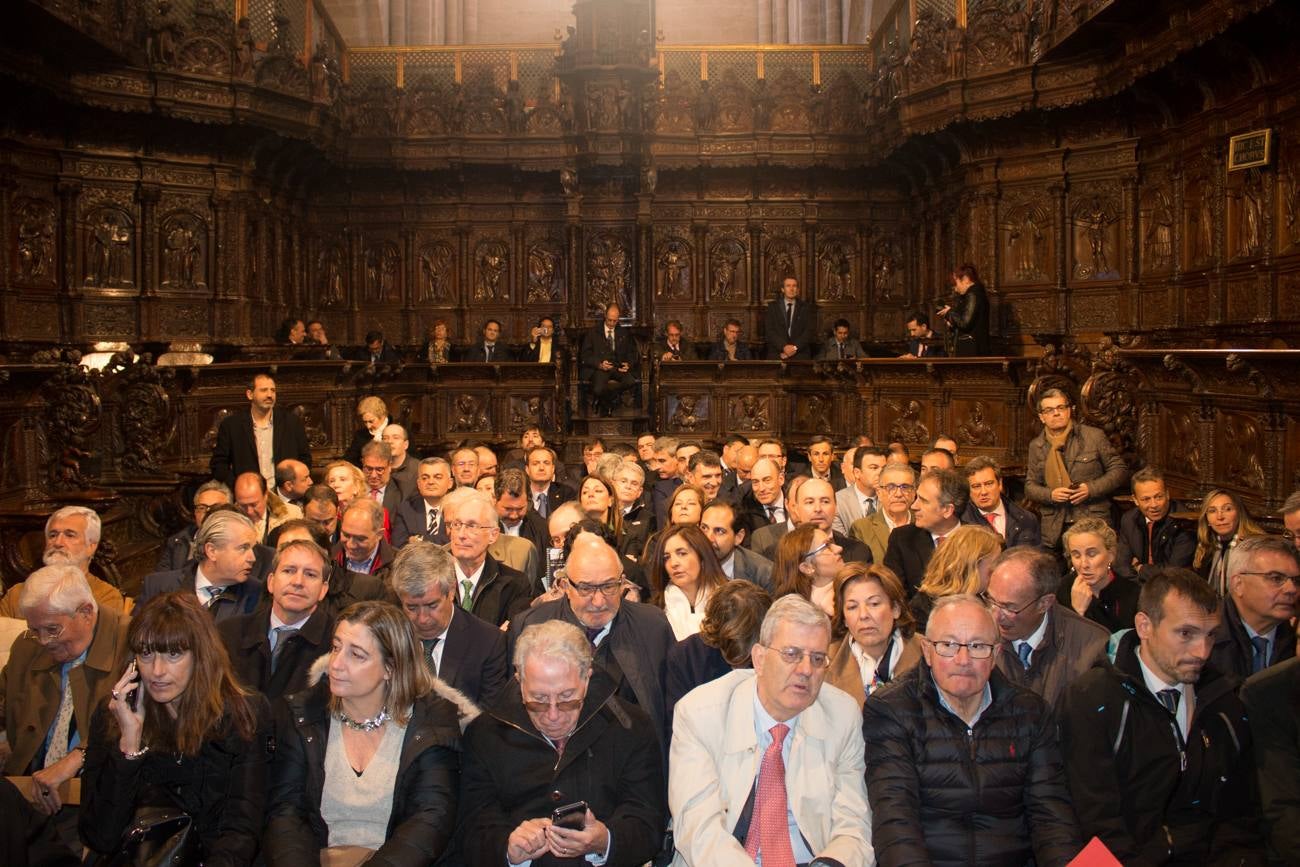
[{"x": 733, "y": 737}]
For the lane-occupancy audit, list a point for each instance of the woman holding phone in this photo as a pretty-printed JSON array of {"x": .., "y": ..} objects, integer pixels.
[{"x": 179, "y": 732}]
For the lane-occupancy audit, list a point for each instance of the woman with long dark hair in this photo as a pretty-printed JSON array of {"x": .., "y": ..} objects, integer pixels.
[
  {"x": 967, "y": 313},
  {"x": 684, "y": 573},
  {"x": 179, "y": 732},
  {"x": 807, "y": 561}
]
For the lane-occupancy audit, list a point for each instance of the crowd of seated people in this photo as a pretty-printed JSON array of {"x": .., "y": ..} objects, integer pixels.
[{"x": 670, "y": 652}]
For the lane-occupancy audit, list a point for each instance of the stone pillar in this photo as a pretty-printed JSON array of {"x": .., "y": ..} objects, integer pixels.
[
  {"x": 469, "y": 19},
  {"x": 781, "y": 21},
  {"x": 455, "y": 33},
  {"x": 438, "y": 23},
  {"x": 397, "y": 30},
  {"x": 764, "y": 14}
]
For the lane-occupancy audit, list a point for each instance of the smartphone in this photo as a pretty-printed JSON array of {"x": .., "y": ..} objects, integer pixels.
[
  {"x": 133, "y": 697},
  {"x": 572, "y": 816}
]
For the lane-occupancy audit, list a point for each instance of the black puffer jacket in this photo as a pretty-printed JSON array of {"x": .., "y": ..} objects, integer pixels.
[
  {"x": 423, "y": 818},
  {"x": 1126, "y": 769},
  {"x": 993, "y": 795}
]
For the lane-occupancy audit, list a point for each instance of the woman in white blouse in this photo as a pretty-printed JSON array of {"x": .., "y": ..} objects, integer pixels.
[
  {"x": 684, "y": 572},
  {"x": 874, "y": 630}
]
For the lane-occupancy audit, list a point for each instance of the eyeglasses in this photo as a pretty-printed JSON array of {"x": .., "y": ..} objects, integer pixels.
[
  {"x": 457, "y": 526},
  {"x": 1054, "y": 410},
  {"x": 794, "y": 655},
  {"x": 1277, "y": 579},
  {"x": 949, "y": 649},
  {"x": 562, "y": 706},
  {"x": 1288, "y": 535},
  {"x": 1007, "y": 609},
  {"x": 820, "y": 548},
  {"x": 610, "y": 589},
  {"x": 45, "y": 634},
  {"x": 898, "y": 489}
]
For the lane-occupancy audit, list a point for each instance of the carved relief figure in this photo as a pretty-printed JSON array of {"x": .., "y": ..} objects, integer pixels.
[
  {"x": 165, "y": 34},
  {"x": 602, "y": 106},
  {"x": 908, "y": 427},
  {"x": 1250, "y": 230},
  {"x": 110, "y": 249},
  {"x": 816, "y": 414},
  {"x": 330, "y": 268},
  {"x": 781, "y": 256},
  {"x": 1242, "y": 443},
  {"x": 490, "y": 267},
  {"x": 545, "y": 273},
  {"x": 735, "y": 104},
  {"x": 685, "y": 417},
  {"x": 437, "y": 271},
  {"x": 245, "y": 49},
  {"x": 1026, "y": 247},
  {"x": 1203, "y": 237},
  {"x": 975, "y": 431},
  {"x": 469, "y": 415},
  {"x": 183, "y": 266},
  {"x": 609, "y": 274},
  {"x": 762, "y": 106},
  {"x": 726, "y": 264},
  {"x": 524, "y": 412},
  {"x": 1183, "y": 451},
  {"x": 1158, "y": 241},
  {"x": 885, "y": 276},
  {"x": 835, "y": 270},
  {"x": 35, "y": 221},
  {"x": 749, "y": 413},
  {"x": 706, "y": 108},
  {"x": 674, "y": 264},
  {"x": 1093, "y": 240},
  {"x": 954, "y": 46}
]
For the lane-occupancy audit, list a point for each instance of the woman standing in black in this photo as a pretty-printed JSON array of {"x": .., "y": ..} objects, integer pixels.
[{"x": 968, "y": 313}]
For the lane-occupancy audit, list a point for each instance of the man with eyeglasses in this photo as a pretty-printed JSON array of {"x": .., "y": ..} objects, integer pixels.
[
  {"x": 1263, "y": 587},
  {"x": 485, "y": 586},
  {"x": 1291, "y": 520},
  {"x": 362, "y": 547},
  {"x": 377, "y": 467},
  {"x": 1045, "y": 646},
  {"x": 964, "y": 766},
  {"x": 631, "y": 639},
  {"x": 464, "y": 467},
  {"x": 895, "y": 492},
  {"x": 176, "y": 550},
  {"x": 1072, "y": 468},
  {"x": 767, "y": 763},
  {"x": 1159, "y": 752},
  {"x": 563, "y": 737},
  {"x": 58, "y": 672},
  {"x": 941, "y": 499}
]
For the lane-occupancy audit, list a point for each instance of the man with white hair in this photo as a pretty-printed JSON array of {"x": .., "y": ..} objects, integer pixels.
[
  {"x": 485, "y": 586},
  {"x": 220, "y": 573},
  {"x": 58, "y": 672},
  {"x": 563, "y": 738},
  {"x": 71, "y": 538},
  {"x": 767, "y": 763}
]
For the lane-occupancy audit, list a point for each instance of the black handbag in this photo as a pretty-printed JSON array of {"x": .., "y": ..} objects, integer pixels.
[{"x": 158, "y": 837}]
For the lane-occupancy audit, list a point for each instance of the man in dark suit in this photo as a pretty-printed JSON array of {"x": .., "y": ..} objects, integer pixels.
[
  {"x": 729, "y": 347},
  {"x": 609, "y": 360},
  {"x": 377, "y": 350},
  {"x": 464, "y": 651},
  {"x": 256, "y": 440},
  {"x": 1263, "y": 591},
  {"x": 488, "y": 349},
  {"x": 421, "y": 516},
  {"x": 842, "y": 347},
  {"x": 672, "y": 347},
  {"x": 790, "y": 324},
  {"x": 721, "y": 522},
  {"x": 631, "y": 638},
  {"x": 1149, "y": 535},
  {"x": 272, "y": 649},
  {"x": 1271, "y": 698},
  {"x": 821, "y": 462},
  {"x": 362, "y": 547},
  {"x": 511, "y": 492},
  {"x": 222, "y": 574},
  {"x": 921, "y": 342},
  {"x": 486, "y": 588},
  {"x": 941, "y": 498},
  {"x": 988, "y": 505},
  {"x": 377, "y": 466},
  {"x": 665, "y": 477},
  {"x": 406, "y": 469},
  {"x": 544, "y": 492},
  {"x": 175, "y": 552},
  {"x": 814, "y": 503},
  {"x": 542, "y": 347}
]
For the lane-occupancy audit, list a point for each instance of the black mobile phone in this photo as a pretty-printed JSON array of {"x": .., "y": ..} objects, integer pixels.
[
  {"x": 133, "y": 696},
  {"x": 572, "y": 816}
]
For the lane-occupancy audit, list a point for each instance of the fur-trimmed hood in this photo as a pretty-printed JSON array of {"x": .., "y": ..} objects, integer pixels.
[{"x": 466, "y": 710}]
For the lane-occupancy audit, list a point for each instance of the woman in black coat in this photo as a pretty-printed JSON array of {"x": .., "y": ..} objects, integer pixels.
[
  {"x": 178, "y": 732},
  {"x": 377, "y": 696},
  {"x": 968, "y": 313}
]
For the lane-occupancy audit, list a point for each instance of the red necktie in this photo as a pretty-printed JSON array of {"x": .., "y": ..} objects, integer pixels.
[
  {"x": 374, "y": 495},
  {"x": 939, "y": 540},
  {"x": 769, "y": 832},
  {"x": 1151, "y": 548},
  {"x": 992, "y": 518}
]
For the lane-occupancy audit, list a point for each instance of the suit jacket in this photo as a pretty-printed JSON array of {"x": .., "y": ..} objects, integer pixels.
[
  {"x": 875, "y": 532},
  {"x": 1022, "y": 525},
  {"x": 633, "y": 652},
  {"x": 501, "y": 593},
  {"x": 478, "y": 352},
  {"x": 474, "y": 658},
  {"x": 557, "y": 493},
  {"x": 1174, "y": 545},
  {"x": 392, "y": 499},
  {"x": 534, "y": 529},
  {"x": 1070, "y": 646},
  {"x": 411, "y": 521},
  {"x": 243, "y": 599},
  {"x": 801, "y": 334},
  {"x": 831, "y": 350},
  {"x": 406, "y": 477},
  {"x": 763, "y": 541},
  {"x": 519, "y": 554},
  {"x": 848, "y": 507},
  {"x": 685, "y": 352},
  {"x": 247, "y": 641},
  {"x": 638, "y": 526},
  {"x": 933, "y": 347},
  {"x": 908, "y": 553},
  {"x": 347, "y": 587},
  {"x": 660, "y": 494},
  {"x": 531, "y": 352},
  {"x": 387, "y": 355},
  {"x": 1233, "y": 654},
  {"x": 31, "y": 688},
  {"x": 1272, "y": 700},
  {"x": 105, "y": 594},
  {"x": 1088, "y": 458},
  {"x": 714, "y": 768},
  {"x": 718, "y": 352},
  {"x": 595, "y": 349},
  {"x": 752, "y": 567},
  {"x": 236, "y": 448}
]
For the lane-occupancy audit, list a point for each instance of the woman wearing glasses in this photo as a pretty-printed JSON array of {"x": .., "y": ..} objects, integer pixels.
[
  {"x": 179, "y": 732},
  {"x": 807, "y": 561},
  {"x": 366, "y": 765},
  {"x": 684, "y": 573},
  {"x": 1224, "y": 521},
  {"x": 1093, "y": 589},
  {"x": 960, "y": 565},
  {"x": 873, "y": 628}
]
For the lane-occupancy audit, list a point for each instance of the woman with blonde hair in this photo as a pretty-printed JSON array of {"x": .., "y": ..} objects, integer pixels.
[
  {"x": 1224, "y": 521},
  {"x": 960, "y": 565},
  {"x": 347, "y": 482},
  {"x": 1092, "y": 589},
  {"x": 366, "y": 765},
  {"x": 873, "y": 631},
  {"x": 807, "y": 561},
  {"x": 373, "y": 415}
]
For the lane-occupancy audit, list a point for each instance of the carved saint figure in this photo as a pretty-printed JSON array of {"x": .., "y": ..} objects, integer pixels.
[
  {"x": 816, "y": 415},
  {"x": 779, "y": 267},
  {"x": 908, "y": 427},
  {"x": 35, "y": 241},
  {"x": 110, "y": 250},
  {"x": 245, "y": 49},
  {"x": 1249, "y": 226},
  {"x": 608, "y": 274},
  {"x": 750, "y": 413},
  {"x": 469, "y": 415},
  {"x": 436, "y": 261},
  {"x": 331, "y": 285},
  {"x": 493, "y": 259},
  {"x": 975, "y": 431},
  {"x": 181, "y": 255},
  {"x": 1096, "y": 224},
  {"x": 1158, "y": 243},
  {"x": 836, "y": 271},
  {"x": 525, "y": 412},
  {"x": 543, "y": 268},
  {"x": 685, "y": 417},
  {"x": 674, "y": 266}
]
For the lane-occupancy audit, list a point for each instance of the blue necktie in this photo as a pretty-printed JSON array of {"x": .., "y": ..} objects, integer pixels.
[
  {"x": 1260, "y": 662},
  {"x": 1023, "y": 651}
]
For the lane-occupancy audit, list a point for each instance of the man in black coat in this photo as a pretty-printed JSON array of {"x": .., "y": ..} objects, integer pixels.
[
  {"x": 463, "y": 650},
  {"x": 1158, "y": 748},
  {"x": 609, "y": 361},
  {"x": 236, "y": 450},
  {"x": 222, "y": 575},
  {"x": 487, "y": 588},
  {"x": 545, "y": 493},
  {"x": 361, "y": 547},
  {"x": 790, "y": 325},
  {"x": 1263, "y": 587},
  {"x": 511, "y": 492},
  {"x": 1272, "y": 700},
  {"x": 1015, "y": 525},
  {"x": 631, "y": 638},
  {"x": 921, "y": 342},
  {"x": 421, "y": 516},
  {"x": 941, "y": 498},
  {"x": 728, "y": 347},
  {"x": 488, "y": 348},
  {"x": 175, "y": 552},
  {"x": 272, "y": 649},
  {"x": 562, "y": 736},
  {"x": 1149, "y": 535}
]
